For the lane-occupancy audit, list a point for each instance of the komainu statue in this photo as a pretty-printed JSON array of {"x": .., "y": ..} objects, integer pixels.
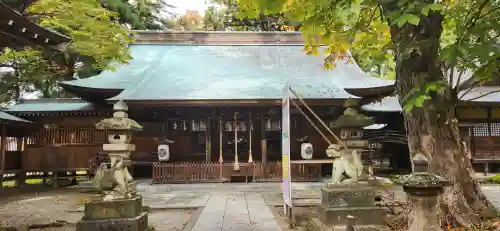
[
  {"x": 347, "y": 165},
  {"x": 113, "y": 182}
]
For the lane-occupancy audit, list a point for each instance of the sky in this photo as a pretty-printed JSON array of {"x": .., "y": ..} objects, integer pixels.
[{"x": 183, "y": 5}]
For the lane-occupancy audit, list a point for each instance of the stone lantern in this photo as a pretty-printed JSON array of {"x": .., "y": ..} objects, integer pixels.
[
  {"x": 120, "y": 129},
  {"x": 351, "y": 125},
  {"x": 348, "y": 155},
  {"x": 346, "y": 197},
  {"x": 119, "y": 208}
]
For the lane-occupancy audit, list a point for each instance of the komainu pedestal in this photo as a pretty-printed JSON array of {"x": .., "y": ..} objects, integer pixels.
[
  {"x": 357, "y": 200},
  {"x": 118, "y": 214}
]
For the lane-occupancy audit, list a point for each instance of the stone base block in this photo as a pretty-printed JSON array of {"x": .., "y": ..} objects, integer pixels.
[
  {"x": 139, "y": 223},
  {"x": 115, "y": 209},
  {"x": 365, "y": 215},
  {"x": 347, "y": 195}
]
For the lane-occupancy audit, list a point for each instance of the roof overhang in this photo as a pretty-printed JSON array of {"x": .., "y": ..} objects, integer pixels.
[
  {"x": 365, "y": 92},
  {"x": 6, "y": 118},
  {"x": 18, "y": 31},
  {"x": 96, "y": 95}
]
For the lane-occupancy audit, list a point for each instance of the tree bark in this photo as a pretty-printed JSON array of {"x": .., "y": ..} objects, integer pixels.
[{"x": 432, "y": 130}]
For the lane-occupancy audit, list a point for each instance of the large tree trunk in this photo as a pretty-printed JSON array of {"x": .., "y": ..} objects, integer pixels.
[{"x": 433, "y": 130}]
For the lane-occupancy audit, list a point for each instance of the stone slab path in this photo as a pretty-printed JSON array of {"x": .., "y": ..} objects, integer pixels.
[
  {"x": 238, "y": 211},
  {"x": 246, "y": 207}
]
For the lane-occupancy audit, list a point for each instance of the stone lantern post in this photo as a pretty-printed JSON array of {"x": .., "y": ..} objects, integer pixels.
[
  {"x": 119, "y": 208},
  {"x": 423, "y": 189}
]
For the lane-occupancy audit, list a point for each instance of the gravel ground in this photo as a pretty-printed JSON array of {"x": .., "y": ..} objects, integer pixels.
[
  {"x": 42, "y": 209},
  {"x": 49, "y": 207}
]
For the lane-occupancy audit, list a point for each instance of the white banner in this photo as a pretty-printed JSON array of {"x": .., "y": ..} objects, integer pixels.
[{"x": 285, "y": 146}]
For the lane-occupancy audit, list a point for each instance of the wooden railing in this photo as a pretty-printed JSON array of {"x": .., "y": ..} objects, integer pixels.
[
  {"x": 186, "y": 172},
  {"x": 191, "y": 172}
]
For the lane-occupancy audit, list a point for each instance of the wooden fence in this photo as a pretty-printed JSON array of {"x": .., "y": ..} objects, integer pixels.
[
  {"x": 186, "y": 172},
  {"x": 193, "y": 172},
  {"x": 48, "y": 163}
]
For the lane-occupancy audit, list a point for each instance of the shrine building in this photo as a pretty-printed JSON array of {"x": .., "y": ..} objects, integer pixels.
[{"x": 202, "y": 92}]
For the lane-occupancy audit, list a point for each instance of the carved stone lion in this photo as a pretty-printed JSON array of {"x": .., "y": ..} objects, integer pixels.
[
  {"x": 113, "y": 182},
  {"x": 347, "y": 167}
]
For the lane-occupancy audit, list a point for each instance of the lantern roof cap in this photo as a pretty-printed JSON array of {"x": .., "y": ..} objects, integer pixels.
[{"x": 118, "y": 124}]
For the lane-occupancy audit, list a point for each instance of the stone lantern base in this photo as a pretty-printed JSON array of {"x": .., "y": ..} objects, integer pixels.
[
  {"x": 356, "y": 200},
  {"x": 120, "y": 214}
]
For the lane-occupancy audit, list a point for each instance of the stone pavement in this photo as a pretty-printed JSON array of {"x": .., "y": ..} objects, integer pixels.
[
  {"x": 236, "y": 212},
  {"x": 245, "y": 207}
]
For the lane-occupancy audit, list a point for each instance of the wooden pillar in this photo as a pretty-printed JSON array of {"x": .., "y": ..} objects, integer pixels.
[
  {"x": 208, "y": 141},
  {"x": 221, "y": 159},
  {"x": 472, "y": 143},
  {"x": 263, "y": 143},
  {"x": 3, "y": 148},
  {"x": 490, "y": 143},
  {"x": 250, "y": 126},
  {"x": 236, "y": 161}
]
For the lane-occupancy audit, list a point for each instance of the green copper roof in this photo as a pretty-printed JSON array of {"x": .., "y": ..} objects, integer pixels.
[
  {"x": 7, "y": 117},
  {"x": 200, "y": 72},
  {"x": 51, "y": 105},
  {"x": 481, "y": 94}
]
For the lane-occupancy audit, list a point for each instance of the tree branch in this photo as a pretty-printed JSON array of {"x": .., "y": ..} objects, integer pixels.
[
  {"x": 481, "y": 96},
  {"x": 477, "y": 14}
]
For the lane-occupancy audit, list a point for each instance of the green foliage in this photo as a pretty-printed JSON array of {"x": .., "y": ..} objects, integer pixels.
[
  {"x": 28, "y": 71},
  {"x": 91, "y": 27},
  {"x": 150, "y": 11},
  {"x": 99, "y": 42},
  {"x": 494, "y": 179},
  {"x": 213, "y": 19},
  {"x": 232, "y": 17},
  {"x": 369, "y": 29},
  {"x": 191, "y": 20}
]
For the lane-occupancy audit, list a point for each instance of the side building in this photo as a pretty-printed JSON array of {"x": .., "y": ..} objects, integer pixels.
[
  {"x": 479, "y": 116},
  {"x": 17, "y": 32},
  {"x": 200, "y": 93}
]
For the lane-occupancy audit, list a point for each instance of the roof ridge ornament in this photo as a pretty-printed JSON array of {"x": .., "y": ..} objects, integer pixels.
[{"x": 278, "y": 39}]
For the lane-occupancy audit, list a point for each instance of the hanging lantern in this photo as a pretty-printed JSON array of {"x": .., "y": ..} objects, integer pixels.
[
  {"x": 306, "y": 151},
  {"x": 163, "y": 152}
]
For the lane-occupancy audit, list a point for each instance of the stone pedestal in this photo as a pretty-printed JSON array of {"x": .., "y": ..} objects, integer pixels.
[
  {"x": 423, "y": 190},
  {"x": 119, "y": 214},
  {"x": 357, "y": 200}
]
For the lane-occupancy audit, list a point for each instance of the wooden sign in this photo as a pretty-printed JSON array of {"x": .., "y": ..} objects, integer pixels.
[{"x": 356, "y": 143}]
